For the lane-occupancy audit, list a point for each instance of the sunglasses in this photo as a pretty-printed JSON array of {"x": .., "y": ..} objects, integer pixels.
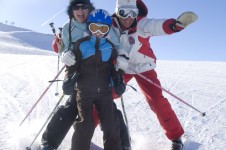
[
  {"x": 125, "y": 13},
  {"x": 102, "y": 28},
  {"x": 77, "y": 7}
]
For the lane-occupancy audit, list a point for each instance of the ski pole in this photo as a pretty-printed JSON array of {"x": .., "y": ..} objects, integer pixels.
[
  {"x": 123, "y": 109},
  {"x": 158, "y": 86},
  {"x": 132, "y": 87},
  {"x": 58, "y": 61},
  {"x": 55, "y": 80},
  {"x": 47, "y": 120},
  {"x": 124, "y": 113},
  {"x": 58, "y": 57},
  {"x": 58, "y": 66},
  {"x": 42, "y": 95}
]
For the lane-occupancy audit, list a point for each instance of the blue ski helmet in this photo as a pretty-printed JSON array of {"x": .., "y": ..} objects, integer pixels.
[{"x": 100, "y": 16}]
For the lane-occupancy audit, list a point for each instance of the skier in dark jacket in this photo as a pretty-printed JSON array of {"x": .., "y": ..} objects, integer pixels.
[
  {"x": 94, "y": 57},
  {"x": 65, "y": 115}
]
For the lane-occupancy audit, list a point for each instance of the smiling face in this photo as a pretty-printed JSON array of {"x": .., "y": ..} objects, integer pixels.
[
  {"x": 126, "y": 22},
  {"x": 80, "y": 12}
]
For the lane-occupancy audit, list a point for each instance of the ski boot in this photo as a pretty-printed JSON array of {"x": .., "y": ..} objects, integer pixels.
[{"x": 177, "y": 144}]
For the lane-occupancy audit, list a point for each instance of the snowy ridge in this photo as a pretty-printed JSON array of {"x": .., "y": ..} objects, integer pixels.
[
  {"x": 24, "y": 78},
  {"x": 9, "y": 28},
  {"x": 18, "y": 40}
]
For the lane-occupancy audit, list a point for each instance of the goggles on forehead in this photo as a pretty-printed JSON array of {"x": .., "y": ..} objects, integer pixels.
[
  {"x": 126, "y": 12},
  {"x": 102, "y": 28},
  {"x": 83, "y": 7}
]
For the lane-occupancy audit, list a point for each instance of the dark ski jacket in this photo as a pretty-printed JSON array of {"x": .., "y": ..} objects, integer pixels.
[{"x": 94, "y": 64}]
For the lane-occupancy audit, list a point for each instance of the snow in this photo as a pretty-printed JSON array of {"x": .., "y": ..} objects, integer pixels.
[{"x": 26, "y": 69}]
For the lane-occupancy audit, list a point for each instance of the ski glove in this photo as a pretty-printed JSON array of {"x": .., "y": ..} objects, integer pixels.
[
  {"x": 119, "y": 84},
  {"x": 122, "y": 62},
  {"x": 57, "y": 44},
  {"x": 68, "y": 58},
  {"x": 69, "y": 83},
  {"x": 184, "y": 20}
]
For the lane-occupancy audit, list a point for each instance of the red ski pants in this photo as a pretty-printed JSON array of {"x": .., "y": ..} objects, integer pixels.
[{"x": 158, "y": 104}]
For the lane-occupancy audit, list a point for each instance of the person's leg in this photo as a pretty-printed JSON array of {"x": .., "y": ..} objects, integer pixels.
[
  {"x": 84, "y": 125},
  {"x": 60, "y": 123},
  {"x": 109, "y": 121},
  {"x": 160, "y": 105},
  {"x": 124, "y": 135}
]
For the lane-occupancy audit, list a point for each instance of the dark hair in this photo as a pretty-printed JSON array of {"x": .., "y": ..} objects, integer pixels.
[{"x": 74, "y": 2}]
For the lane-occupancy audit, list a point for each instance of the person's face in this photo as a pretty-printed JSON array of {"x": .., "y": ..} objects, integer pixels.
[
  {"x": 80, "y": 12},
  {"x": 126, "y": 22}
]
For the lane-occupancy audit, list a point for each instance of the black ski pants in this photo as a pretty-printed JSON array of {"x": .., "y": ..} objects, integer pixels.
[
  {"x": 84, "y": 128},
  {"x": 63, "y": 119},
  {"x": 61, "y": 122}
]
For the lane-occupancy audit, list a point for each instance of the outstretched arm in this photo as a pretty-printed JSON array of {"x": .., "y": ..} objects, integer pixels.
[
  {"x": 155, "y": 27},
  {"x": 175, "y": 25}
]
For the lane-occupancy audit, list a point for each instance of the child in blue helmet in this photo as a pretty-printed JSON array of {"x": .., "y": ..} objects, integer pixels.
[{"x": 94, "y": 57}]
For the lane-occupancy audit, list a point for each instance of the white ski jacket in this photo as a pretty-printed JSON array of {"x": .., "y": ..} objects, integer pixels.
[{"x": 135, "y": 41}]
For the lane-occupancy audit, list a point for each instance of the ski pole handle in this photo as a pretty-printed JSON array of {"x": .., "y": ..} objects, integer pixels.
[
  {"x": 53, "y": 28},
  {"x": 60, "y": 33}
]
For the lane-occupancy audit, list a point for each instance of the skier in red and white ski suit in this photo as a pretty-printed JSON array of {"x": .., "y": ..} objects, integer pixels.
[{"x": 134, "y": 33}]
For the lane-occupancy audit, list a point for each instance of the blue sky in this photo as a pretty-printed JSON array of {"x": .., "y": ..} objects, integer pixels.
[{"x": 204, "y": 40}]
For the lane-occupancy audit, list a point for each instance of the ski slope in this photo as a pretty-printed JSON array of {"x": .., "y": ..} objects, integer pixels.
[{"x": 24, "y": 78}]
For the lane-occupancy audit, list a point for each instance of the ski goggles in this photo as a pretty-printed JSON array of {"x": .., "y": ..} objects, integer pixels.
[
  {"x": 77, "y": 7},
  {"x": 102, "y": 28},
  {"x": 126, "y": 12}
]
